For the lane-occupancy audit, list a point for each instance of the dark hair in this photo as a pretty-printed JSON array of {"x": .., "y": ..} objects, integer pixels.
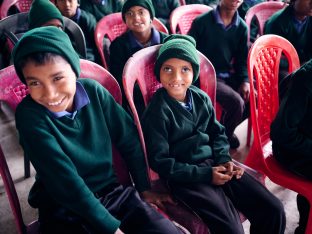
[{"x": 39, "y": 58}]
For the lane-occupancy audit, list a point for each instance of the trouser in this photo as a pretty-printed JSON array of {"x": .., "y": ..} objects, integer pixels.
[
  {"x": 301, "y": 165},
  {"x": 218, "y": 205},
  {"x": 136, "y": 216},
  {"x": 232, "y": 104}
]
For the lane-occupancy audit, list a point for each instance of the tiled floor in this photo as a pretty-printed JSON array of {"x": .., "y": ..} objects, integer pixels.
[{"x": 8, "y": 139}]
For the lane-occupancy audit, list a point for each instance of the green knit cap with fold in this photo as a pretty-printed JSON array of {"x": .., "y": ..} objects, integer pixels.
[
  {"x": 41, "y": 11},
  {"x": 48, "y": 39},
  {"x": 181, "y": 47},
  {"x": 147, "y": 4}
]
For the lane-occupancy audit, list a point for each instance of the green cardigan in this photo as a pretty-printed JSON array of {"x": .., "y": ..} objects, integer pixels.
[
  {"x": 291, "y": 130},
  {"x": 227, "y": 50},
  {"x": 281, "y": 23},
  {"x": 73, "y": 157},
  {"x": 99, "y": 10},
  {"x": 178, "y": 140}
]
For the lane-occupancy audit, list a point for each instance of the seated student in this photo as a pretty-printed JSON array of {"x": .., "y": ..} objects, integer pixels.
[
  {"x": 291, "y": 133},
  {"x": 212, "y": 3},
  {"x": 45, "y": 13},
  {"x": 221, "y": 35},
  {"x": 66, "y": 128},
  {"x": 188, "y": 148},
  {"x": 87, "y": 23},
  {"x": 101, "y": 8},
  {"x": 138, "y": 15},
  {"x": 163, "y": 9},
  {"x": 294, "y": 23}
]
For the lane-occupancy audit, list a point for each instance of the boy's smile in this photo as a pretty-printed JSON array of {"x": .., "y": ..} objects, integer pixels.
[
  {"x": 52, "y": 84},
  {"x": 176, "y": 76}
]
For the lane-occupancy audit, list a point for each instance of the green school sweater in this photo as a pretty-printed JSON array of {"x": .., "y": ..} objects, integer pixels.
[
  {"x": 292, "y": 128},
  {"x": 226, "y": 49},
  {"x": 281, "y": 23},
  {"x": 178, "y": 140},
  {"x": 73, "y": 157},
  {"x": 100, "y": 10}
]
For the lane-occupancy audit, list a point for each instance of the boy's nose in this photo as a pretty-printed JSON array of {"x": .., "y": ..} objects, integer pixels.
[{"x": 49, "y": 92}]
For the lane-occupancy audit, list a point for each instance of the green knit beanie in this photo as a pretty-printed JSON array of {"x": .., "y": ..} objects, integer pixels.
[
  {"x": 181, "y": 47},
  {"x": 41, "y": 11},
  {"x": 147, "y": 4},
  {"x": 48, "y": 39}
]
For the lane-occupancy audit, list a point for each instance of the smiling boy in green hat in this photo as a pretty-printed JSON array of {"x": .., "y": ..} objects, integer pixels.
[
  {"x": 188, "y": 148},
  {"x": 66, "y": 128}
]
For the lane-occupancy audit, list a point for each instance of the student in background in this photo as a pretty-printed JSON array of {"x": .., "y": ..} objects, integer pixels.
[
  {"x": 221, "y": 35},
  {"x": 101, "y": 8},
  {"x": 66, "y": 128},
  {"x": 294, "y": 23},
  {"x": 87, "y": 23},
  {"x": 212, "y": 3},
  {"x": 188, "y": 148},
  {"x": 163, "y": 9},
  {"x": 138, "y": 15},
  {"x": 291, "y": 133}
]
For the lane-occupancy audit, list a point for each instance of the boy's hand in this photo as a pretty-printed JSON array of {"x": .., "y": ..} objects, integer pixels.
[
  {"x": 219, "y": 175},
  {"x": 229, "y": 167},
  {"x": 157, "y": 199},
  {"x": 238, "y": 171},
  {"x": 244, "y": 91}
]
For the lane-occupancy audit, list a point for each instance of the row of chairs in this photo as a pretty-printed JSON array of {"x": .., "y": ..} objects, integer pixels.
[{"x": 263, "y": 66}]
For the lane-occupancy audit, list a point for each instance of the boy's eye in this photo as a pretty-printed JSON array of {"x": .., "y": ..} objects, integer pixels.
[
  {"x": 129, "y": 13},
  {"x": 33, "y": 83},
  {"x": 167, "y": 69},
  {"x": 58, "y": 78},
  {"x": 186, "y": 69}
]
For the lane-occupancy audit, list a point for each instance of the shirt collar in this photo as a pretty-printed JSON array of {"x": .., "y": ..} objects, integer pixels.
[
  {"x": 299, "y": 24},
  {"x": 76, "y": 17},
  {"x": 134, "y": 43},
  {"x": 234, "y": 23},
  {"x": 81, "y": 99},
  {"x": 188, "y": 105}
]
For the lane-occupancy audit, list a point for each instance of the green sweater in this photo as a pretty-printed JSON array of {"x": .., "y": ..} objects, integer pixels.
[
  {"x": 163, "y": 9},
  {"x": 73, "y": 157},
  {"x": 281, "y": 23},
  {"x": 292, "y": 128},
  {"x": 226, "y": 49},
  {"x": 100, "y": 10},
  {"x": 178, "y": 140}
]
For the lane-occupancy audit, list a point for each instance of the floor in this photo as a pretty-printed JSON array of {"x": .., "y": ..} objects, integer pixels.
[{"x": 9, "y": 142}]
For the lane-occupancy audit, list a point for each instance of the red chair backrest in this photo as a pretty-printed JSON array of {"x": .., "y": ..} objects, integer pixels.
[
  {"x": 140, "y": 69},
  {"x": 112, "y": 26},
  {"x": 12, "y": 91},
  {"x": 182, "y": 17},
  {"x": 263, "y": 68},
  {"x": 21, "y": 6},
  {"x": 262, "y": 12}
]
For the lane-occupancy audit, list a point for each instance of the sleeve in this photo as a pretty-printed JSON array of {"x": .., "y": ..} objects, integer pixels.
[
  {"x": 216, "y": 132},
  {"x": 125, "y": 136},
  {"x": 240, "y": 58},
  {"x": 117, "y": 59},
  {"x": 43, "y": 149},
  {"x": 288, "y": 128}
]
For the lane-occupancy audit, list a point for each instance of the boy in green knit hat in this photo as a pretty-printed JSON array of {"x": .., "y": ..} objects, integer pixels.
[
  {"x": 138, "y": 16},
  {"x": 66, "y": 128},
  {"x": 188, "y": 148}
]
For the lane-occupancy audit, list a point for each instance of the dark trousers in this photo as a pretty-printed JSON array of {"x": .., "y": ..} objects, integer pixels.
[
  {"x": 232, "y": 104},
  {"x": 218, "y": 205},
  {"x": 136, "y": 216},
  {"x": 301, "y": 165}
]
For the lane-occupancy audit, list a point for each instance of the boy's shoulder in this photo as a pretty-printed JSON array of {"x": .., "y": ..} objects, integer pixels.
[{"x": 87, "y": 16}]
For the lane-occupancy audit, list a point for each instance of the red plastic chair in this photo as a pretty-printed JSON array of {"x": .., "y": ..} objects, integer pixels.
[
  {"x": 263, "y": 67},
  {"x": 112, "y": 26},
  {"x": 182, "y": 17},
  {"x": 12, "y": 91},
  {"x": 262, "y": 12}
]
